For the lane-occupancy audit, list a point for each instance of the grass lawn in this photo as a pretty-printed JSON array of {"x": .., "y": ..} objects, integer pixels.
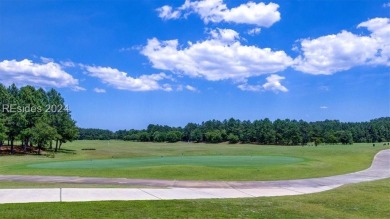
[
  {"x": 45, "y": 185},
  {"x": 363, "y": 200},
  {"x": 205, "y": 161},
  {"x": 194, "y": 161}
]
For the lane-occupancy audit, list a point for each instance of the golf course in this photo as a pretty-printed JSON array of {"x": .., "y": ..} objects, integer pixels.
[
  {"x": 194, "y": 109},
  {"x": 191, "y": 161}
]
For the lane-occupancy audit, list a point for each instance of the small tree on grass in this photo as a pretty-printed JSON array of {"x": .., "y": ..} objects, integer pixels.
[
  {"x": 42, "y": 133},
  {"x": 317, "y": 141},
  {"x": 66, "y": 132}
]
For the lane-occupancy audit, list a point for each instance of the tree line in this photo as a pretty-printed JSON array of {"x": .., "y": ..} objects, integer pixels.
[
  {"x": 264, "y": 131},
  {"x": 35, "y": 118}
]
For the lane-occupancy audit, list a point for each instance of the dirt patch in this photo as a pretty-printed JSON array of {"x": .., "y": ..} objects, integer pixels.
[{"x": 6, "y": 150}]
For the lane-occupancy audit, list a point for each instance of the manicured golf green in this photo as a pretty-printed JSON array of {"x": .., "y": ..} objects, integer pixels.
[{"x": 207, "y": 161}]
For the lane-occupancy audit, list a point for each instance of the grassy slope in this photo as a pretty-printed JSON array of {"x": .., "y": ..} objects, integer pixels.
[
  {"x": 364, "y": 200},
  {"x": 320, "y": 161}
]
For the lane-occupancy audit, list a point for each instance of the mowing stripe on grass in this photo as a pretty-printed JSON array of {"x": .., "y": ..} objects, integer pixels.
[{"x": 210, "y": 161}]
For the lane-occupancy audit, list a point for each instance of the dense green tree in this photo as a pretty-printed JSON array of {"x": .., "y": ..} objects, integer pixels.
[
  {"x": 94, "y": 134},
  {"x": 330, "y": 138},
  {"x": 66, "y": 132},
  {"x": 196, "y": 135},
  {"x": 188, "y": 129},
  {"x": 120, "y": 134},
  {"x": 345, "y": 137},
  {"x": 4, "y": 101},
  {"x": 131, "y": 137},
  {"x": 264, "y": 131},
  {"x": 144, "y": 136},
  {"x": 247, "y": 133},
  {"x": 293, "y": 134},
  {"x": 3, "y": 132},
  {"x": 33, "y": 103},
  {"x": 305, "y": 131},
  {"x": 214, "y": 136},
  {"x": 25, "y": 108},
  {"x": 232, "y": 126},
  {"x": 173, "y": 136},
  {"x": 280, "y": 132},
  {"x": 159, "y": 136},
  {"x": 233, "y": 139},
  {"x": 43, "y": 133}
]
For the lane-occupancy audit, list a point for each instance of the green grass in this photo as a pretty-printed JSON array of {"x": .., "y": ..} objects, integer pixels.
[
  {"x": 363, "y": 200},
  {"x": 324, "y": 160},
  {"x": 205, "y": 161},
  {"x": 30, "y": 185}
]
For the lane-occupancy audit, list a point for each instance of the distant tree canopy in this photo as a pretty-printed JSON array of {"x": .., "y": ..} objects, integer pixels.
[
  {"x": 35, "y": 118},
  {"x": 278, "y": 132}
]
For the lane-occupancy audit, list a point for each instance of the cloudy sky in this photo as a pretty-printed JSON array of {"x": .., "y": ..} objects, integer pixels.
[{"x": 124, "y": 64}]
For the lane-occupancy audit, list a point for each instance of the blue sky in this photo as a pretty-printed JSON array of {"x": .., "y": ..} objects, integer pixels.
[{"x": 125, "y": 64}]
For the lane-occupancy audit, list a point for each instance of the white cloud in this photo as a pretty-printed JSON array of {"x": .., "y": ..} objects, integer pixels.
[
  {"x": 345, "y": 50},
  {"x": 167, "y": 13},
  {"x": 323, "y": 107},
  {"x": 334, "y": 53},
  {"x": 216, "y": 11},
  {"x": 47, "y": 74},
  {"x": 247, "y": 87},
  {"x": 254, "y": 31},
  {"x": 380, "y": 32},
  {"x": 99, "y": 90},
  {"x": 68, "y": 64},
  {"x": 121, "y": 81},
  {"x": 46, "y": 60},
  {"x": 386, "y": 5},
  {"x": 191, "y": 88},
  {"x": 225, "y": 35},
  {"x": 273, "y": 84},
  {"x": 219, "y": 58}
]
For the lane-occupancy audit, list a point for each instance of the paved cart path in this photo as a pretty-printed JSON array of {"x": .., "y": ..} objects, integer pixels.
[{"x": 184, "y": 189}]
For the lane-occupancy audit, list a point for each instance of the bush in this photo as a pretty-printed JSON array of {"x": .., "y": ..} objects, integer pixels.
[
  {"x": 213, "y": 136},
  {"x": 233, "y": 139},
  {"x": 173, "y": 136}
]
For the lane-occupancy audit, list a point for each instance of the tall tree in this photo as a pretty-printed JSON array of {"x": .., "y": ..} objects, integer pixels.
[
  {"x": 32, "y": 102},
  {"x": 4, "y": 101},
  {"x": 196, "y": 135},
  {"x": 60, "y": 119},
  {"x": 3, "y": 132},
  {"x": 15, "y": 119},
  {"x": 42, "y": 134}
]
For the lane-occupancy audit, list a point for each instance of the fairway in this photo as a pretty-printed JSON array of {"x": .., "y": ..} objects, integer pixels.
[
  {"x": 188, "y": 161},
  {"x": 208, "y": 161}
]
